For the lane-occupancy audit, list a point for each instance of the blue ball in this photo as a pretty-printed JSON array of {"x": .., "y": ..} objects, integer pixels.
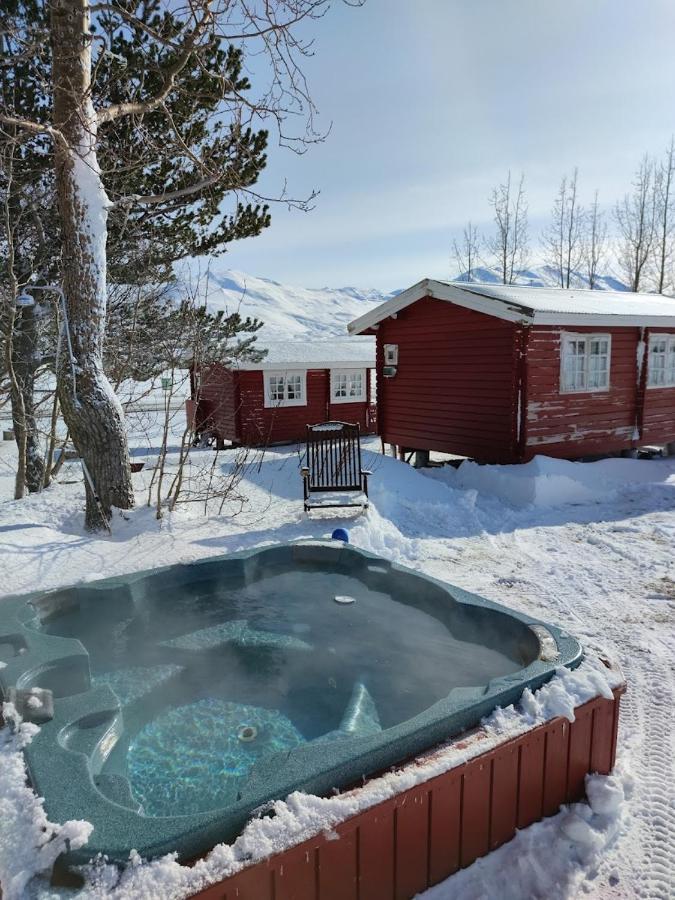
[{"x": 341, "y": 534}]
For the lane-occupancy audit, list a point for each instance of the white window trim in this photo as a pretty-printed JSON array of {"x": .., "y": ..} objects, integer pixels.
[
  {"x": 568, "y": 336},
  {"x": 284, "y": 373},
  {"x": 669, "y": 338},
  {"x": 364, "y": 385}
]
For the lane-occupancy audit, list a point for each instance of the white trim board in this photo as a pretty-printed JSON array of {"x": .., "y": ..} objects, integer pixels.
[{"x": 276, "y": 366}]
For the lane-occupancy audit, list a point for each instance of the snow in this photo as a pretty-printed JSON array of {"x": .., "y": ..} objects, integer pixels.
[
  {"x": 576, "y": 300},
  {"x": 601, "y": 566},
  {"x": 29, "y": 843},
  {"x": 356, "y": 352},
  {"x": 547, "y": 482},
  {"x": 86, "y": 175},
  {"x": 534, "y": 305},
  {"x": 540, "y": 276},
  {"x": 287, "y": 311}
]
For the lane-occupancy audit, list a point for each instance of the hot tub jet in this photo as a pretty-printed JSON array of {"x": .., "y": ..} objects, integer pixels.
[{"x": 247, "y": 733}]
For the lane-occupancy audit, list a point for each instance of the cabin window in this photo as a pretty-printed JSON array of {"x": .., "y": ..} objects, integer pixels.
[
  {"x": 391, "y": 354},
  {"x": 584, "y": 362},
  {"x": 661, "y": 371},
  {"x": 285, "y": 388},
  {"x": 348, "y": 385}
]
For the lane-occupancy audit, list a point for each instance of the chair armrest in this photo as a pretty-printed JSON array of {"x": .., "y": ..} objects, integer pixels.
[
  {"x": 366, "y": 472},
  {"x": 304, "y": 471}
]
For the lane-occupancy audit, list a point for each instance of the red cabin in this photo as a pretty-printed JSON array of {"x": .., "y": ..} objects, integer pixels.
[
  {"x": 501, "y": 373},
  {"x": 295, "y": 385}
]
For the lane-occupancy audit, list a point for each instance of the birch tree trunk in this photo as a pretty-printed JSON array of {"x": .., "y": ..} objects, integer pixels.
[{"x": 90, "y": 408}]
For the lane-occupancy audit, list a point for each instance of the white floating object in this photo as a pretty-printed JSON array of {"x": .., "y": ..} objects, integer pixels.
[{"x": 343, "y": 598}]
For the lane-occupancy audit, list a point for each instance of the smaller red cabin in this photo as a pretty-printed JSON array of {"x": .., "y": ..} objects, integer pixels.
[
  {"x": 295, "y": 385},
  {"x": 501, "y": 373}
]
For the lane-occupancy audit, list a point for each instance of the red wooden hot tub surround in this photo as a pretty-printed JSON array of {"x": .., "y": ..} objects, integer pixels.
[{"x": 404, "y": 845}]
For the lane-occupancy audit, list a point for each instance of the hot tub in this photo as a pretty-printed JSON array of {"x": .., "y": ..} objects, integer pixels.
[{"x": 186, "y": 698}]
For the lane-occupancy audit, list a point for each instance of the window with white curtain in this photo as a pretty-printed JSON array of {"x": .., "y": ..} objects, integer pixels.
[
  {"x": 285, "y": 388},
  {"x": 661, "y": 368},
  {"x": 348, "y": 385},
  {"x": 584, "y": 362}
]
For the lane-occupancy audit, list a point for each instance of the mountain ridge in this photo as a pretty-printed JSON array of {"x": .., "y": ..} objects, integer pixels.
[{"x": 297, "y": 313}]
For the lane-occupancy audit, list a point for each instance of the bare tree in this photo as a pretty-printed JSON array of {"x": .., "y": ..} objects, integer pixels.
[
  {"x": 636, "y": 220},
  {"x": 563, "y": 239},
  {"x": 594, "y": 242},
  {"x": 24, "y": 254},
  {"x": 509, "y": 244},
  {"x": 665, "y": 216},
  {"x": 466, "y": 252},
  {"x": 177, "y": 39}
]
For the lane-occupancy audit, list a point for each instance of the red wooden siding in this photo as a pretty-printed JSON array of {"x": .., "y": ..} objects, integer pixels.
[
  {"x": 408, "y": 843},
  {"x": 218, "y": 400},
  {"x": 579, "y": 424},
  {"x": 478, "y": 386},
  {"x": 233, "y": 402},
  {"x": 455, "y": 386},
  {"x": 261, "y": 425}
]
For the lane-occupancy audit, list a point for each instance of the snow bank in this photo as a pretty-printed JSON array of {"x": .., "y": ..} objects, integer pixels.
[
  {"x": 29, "y": 843},
  {"x": 545, "y": 481}
]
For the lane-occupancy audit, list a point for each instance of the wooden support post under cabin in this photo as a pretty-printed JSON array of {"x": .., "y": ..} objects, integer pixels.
[{"x": 421, "y": 459}]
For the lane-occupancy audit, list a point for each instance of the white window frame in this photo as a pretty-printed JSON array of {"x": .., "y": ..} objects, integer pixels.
[
  {"x": 390, "y": 354},
  {"x": 668, "y": 357},
  {"x": 566, "y": 338},
  {"x": 334, "y": 387},
  {"x": 285, "y": 374}
]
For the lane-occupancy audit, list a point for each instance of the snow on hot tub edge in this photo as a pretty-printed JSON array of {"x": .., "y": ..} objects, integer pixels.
[{"x": 29, "y": 844}]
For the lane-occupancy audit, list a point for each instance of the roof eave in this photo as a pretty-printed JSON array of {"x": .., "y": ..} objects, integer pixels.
[
  {"x": 450, "y": 293},
  {"x": 287, "y": 366},
  {"x": 605, "y": 320}
]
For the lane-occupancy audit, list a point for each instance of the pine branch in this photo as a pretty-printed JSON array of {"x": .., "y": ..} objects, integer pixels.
[{"x": 140, "y": 107}]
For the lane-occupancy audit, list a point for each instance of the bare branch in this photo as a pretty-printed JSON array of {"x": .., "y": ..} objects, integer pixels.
[{"x": 33, "y": 127}]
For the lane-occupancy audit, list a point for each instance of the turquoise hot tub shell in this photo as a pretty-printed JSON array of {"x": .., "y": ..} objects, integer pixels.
[{"x": 255, "y": 698}]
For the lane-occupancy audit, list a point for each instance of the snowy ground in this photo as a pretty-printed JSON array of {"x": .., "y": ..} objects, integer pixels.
[{"x": 589, "y": 547}]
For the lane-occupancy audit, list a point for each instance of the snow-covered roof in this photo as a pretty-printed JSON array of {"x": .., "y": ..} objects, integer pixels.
[
  {"x": 338, "y": 353},
  {"x": 536, "y": 305},
  {"x": 578, "y": 300}
]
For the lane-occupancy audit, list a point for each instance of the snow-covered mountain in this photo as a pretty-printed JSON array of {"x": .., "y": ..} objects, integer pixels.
[
  {"x": 296, "y": 313},
  {"x": 292, "y": 313},
  {"x": 542, "y": 276}
]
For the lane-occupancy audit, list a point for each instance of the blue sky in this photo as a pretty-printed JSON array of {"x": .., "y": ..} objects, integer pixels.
[{"x": 431, "y": 103}]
